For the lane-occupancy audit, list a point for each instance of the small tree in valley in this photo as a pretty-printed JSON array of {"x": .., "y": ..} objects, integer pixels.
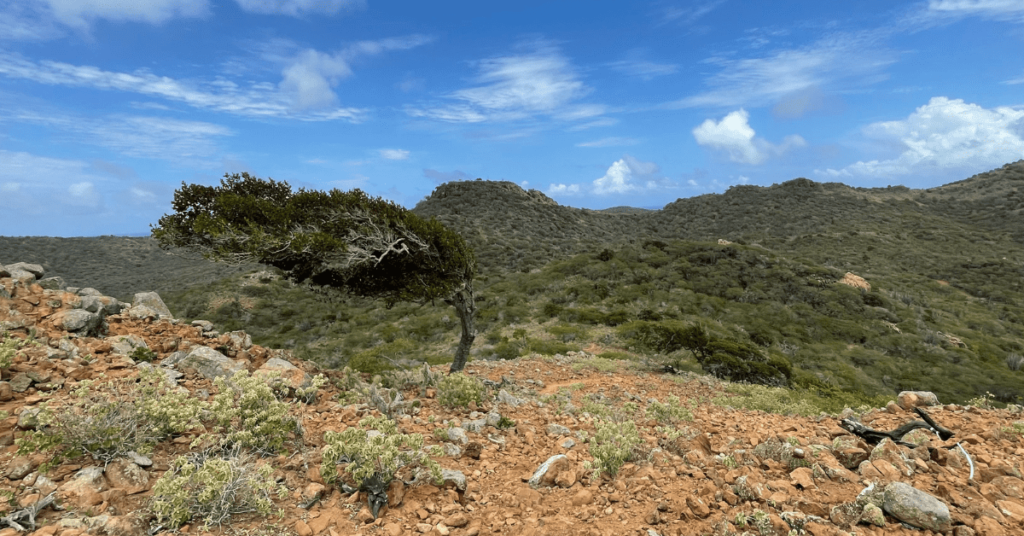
[{"x": 336, "y": 240}]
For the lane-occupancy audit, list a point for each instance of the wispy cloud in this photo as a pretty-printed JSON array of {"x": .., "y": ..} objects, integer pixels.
[
  {"x": 602, "y": 122},
  {"x": 1015, "y": 81},
  {"x": 644, "y": 69},
  {"x": 689, "y": 15},
  {"x": 734, "y": 136},
  {"x": 298, "y": 8},
  {"x": 944, "y": 135},
  {"x": 306, "y": 91},
  {"x": 189, "y": 142},
  {"x": 991, "y": 9},
  {"x": 609, "y": 142},
  {"x": 259, "y": 100},
  {"x": 838, "y": 62},
  {"x": 79, "y": 14},
  {"x": 541, "y": 82},
  {"x": 394, "y": 154}
]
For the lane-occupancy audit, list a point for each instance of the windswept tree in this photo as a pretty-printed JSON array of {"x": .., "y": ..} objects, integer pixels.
[{"x": 333, "y": 241}]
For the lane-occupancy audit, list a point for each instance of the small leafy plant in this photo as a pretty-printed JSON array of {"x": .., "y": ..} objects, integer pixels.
[
  {"x": 670, "y": 412},
  {"x": 382, "y": 452},
  {"x": 143, "y": 354},
  {"x": 613, "y": 444},
  {"x": 458, "y": 390},
  {"x": 247, "y": 413},
  {"x": 212, "y": 488}
]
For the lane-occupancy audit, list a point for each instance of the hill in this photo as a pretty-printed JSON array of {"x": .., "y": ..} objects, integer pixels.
[{"x": 128, "y": 427}]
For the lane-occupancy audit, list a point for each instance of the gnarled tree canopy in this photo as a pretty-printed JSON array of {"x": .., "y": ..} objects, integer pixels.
[{"x": 344, "y": 240}]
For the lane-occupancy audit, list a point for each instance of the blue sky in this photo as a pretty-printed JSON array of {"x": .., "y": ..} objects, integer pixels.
[{"x": 107, "y": 106}]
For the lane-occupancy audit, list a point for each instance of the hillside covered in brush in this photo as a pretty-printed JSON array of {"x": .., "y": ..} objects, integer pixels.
[{"x": 758, "y": 268}]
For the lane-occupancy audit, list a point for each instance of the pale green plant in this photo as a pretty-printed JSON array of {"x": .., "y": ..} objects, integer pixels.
[
  {"x": 459, "y": 390},
  {"x": 213, "y": 488},
  {"x": 246, "y": 412},
  {"x": 670, "y": 412},
  {"x": 10, "y": 346},
  {"x": 168, "y": 408},
  {"x": 101, "y": 419},
  {"x": 381, "y": 453},
  {"x": 763, "y": 521},
  {"x": 982, "y": 401},
  {"x": 307, "y": 395},
  {"x": 613, "y": 444}
]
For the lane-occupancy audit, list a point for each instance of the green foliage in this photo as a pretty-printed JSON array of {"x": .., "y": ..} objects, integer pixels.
[
  {"x": 381, "y": 453},
  {"x": 806, "y": 402},
  {"x": 246, "y": 412},
  {"x": 457, "y": 390},
  {"x": 671, "y": 411},
  {"x": 106, "y": 420},
  {"x": 142, "y": 354},
  {"x": 330, "y": 240},
  {"x": 212, "y": 488},
  {"x": 9, "y": 347},
  {"x": 613, "y": 444}
]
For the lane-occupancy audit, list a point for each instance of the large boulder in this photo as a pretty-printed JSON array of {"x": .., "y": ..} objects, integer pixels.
[
  {"x": 79, "y": 321},
  {"x": 291, "y": 375},
  {"x": 150, "y": 302},
  {"x": 915, "y": 507},
  {"x": 35, "y": 270},
  {"x": 209, "y": 363}
]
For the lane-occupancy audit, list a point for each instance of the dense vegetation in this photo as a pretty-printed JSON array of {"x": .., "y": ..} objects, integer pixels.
[{"x": 945, "y": 311}]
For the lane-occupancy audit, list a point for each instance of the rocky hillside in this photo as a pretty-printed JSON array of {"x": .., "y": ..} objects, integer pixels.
[{"x": 519, "y": 459}]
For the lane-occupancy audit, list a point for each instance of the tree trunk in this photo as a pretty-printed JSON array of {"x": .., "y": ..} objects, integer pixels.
[{"x": 465, "y": 307}]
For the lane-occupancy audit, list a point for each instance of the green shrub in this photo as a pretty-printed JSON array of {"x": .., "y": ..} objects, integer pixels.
[
  {"x": 9, "y": 347},
  {"x": 110, "y": 419},
  {"x": 213, "y": 488},
  {"x": 246, "y": 412},
  {"x": 380, "y": 454},
  {"x": 547, "y": 347},
  {"x": 143, "y": 354},
  {"x": 670, "y": 412},
  {"x": 613, "y": 444},
  {"x": 458, "y": 390}
]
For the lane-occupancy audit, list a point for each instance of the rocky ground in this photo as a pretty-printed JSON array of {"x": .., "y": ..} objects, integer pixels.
[{"x": 726, "y": 471}]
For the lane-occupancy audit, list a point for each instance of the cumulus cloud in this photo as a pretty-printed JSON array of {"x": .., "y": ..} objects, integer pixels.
[
  {"x": 945, "y": 134},
  {"x": 310, "y": 79},
  {"x": 542, "y": 82},
  {"x": 441, "y": 177},
  {"x": 622, "y": 176},
  {"x": 734, "y": 136},
  {"x": 564, "y": 189},
  {"x": 394, "y": 154},
  {"x": 80, "y": 14},
  {"x": 298, "y": 8}
]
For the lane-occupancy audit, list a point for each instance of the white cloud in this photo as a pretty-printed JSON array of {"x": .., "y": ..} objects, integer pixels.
[
  {"x": 190, "y": 142},
  {"x": 689, "y": 15},
  {"x": 259, "y": 100},
  {"x": 83, "y": 194},
  {"x": 944, "y": 135},
  {"x": 839, "y": 61},
  {"x": 22, "y": 21},
  {"x": 298, "y": 8},
  {"x": 1015, "y": 81},
  {"x": 542, "y": 82},
  {"x": 394, "y": 154},
  {"x": 645, "y": 70},
  {"x": 10, "y": 187},
  {"x": 311, "y": 78},
  {"x": 602, "y": 122},
  {"x": 80, "y": 13},
  {"x": 563, "y": 189},
  {"x": 621, "y": 174},
  {"x": 996, "y": 9},
  {"x": 734, "y": 135},
  {"x": 609, "y": 142}
]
